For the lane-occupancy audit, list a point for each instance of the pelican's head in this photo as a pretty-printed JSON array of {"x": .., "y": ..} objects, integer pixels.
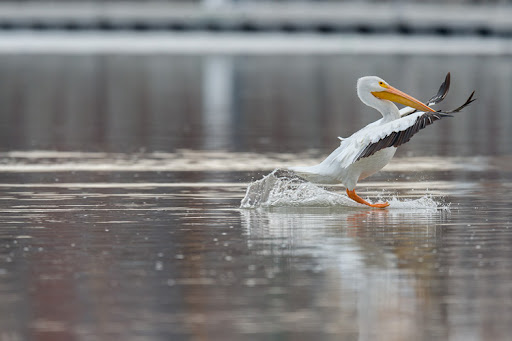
[{"x": 373, "y": 91}]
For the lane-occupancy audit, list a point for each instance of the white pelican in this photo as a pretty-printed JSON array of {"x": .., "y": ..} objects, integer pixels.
[{"x": 368, "y": 150}]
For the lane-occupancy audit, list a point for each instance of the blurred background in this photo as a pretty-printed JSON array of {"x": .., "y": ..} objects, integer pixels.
[
  {"x": 244, "y": 75},
  {"x": 129, "y": 132}
]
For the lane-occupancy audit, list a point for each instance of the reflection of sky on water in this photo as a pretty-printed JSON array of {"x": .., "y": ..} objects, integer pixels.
[
  {"x": 360, "y": 260},
  {"x": 134, "y": 251},
  {"x": 245, "y": 103}
]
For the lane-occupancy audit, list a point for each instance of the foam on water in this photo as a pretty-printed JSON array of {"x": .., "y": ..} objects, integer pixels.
[{"x": 283, "y": 188}]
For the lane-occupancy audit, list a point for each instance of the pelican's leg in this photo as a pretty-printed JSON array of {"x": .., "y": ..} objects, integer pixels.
[{"x": 352, "y": 195}]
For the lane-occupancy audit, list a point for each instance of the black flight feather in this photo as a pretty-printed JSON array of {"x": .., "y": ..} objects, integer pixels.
[
  {"x": 398, "y": 138},
  {"x": 441, "y": 94}
]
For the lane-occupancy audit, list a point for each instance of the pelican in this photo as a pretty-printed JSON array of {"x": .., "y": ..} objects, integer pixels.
[{"x": 368, "y": 150}]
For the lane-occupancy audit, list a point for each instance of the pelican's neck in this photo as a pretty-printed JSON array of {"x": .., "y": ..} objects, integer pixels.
[{"x": 388, "y": 109}]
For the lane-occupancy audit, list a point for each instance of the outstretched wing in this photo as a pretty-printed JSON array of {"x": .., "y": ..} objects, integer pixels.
[
  {"x": 441, "y": 94},
  {"x": 398, "y": 132}
]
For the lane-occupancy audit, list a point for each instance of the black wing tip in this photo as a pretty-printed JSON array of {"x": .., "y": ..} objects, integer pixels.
[
  {"x": 447, "y": 80},
  {"x": 471, "y": 99},
  {"x": 468, "y": 102},
  {"x": 442, "y": 92},
  {"x": 445, "y": 87}
]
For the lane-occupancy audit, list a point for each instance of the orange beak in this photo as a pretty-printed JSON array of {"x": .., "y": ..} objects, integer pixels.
[{"x": 392, "y": 94}]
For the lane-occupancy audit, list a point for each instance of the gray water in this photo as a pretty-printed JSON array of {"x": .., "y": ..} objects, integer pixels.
[{"x": 121, "y": 179}]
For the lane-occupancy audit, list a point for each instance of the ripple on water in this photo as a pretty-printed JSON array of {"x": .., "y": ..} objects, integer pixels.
[{"x": 283, "y": 188}]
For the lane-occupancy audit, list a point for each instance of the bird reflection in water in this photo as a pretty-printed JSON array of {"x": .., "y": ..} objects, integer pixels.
[{"x": 368, "y": 272}]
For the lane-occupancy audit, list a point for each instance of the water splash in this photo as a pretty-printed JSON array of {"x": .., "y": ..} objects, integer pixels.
[
  {"x": 283, "y": 188},
  {"x": 425, "y": 202}
]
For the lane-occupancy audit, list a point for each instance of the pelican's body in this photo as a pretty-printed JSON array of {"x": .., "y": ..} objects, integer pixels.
[
  {"x": 332, "y": 171},
  {"x": 368, "y": 150}
]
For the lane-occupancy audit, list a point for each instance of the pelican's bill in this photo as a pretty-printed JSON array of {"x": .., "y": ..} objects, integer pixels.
[{"x": 397, "y": 96}]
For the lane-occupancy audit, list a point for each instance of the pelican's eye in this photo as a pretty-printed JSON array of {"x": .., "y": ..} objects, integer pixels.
[{"x": 384, "y": 85}]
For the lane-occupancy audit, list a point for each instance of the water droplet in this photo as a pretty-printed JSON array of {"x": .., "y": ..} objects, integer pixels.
[{"x": 159, "y": 266}]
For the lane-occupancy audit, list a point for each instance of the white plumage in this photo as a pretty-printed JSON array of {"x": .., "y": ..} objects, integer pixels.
[{"x": 368, "y": 150}]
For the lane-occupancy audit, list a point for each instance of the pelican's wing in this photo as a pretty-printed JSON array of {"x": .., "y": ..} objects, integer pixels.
[
  {"x": 441, "y": 94},
  {"x": 368, "y": 141},
  {"x": 398, "y": 132}
]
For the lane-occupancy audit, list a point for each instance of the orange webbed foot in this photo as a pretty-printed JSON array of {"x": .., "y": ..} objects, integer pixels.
[
  {"x": 352, "y": 195},
  {"x": 384, "y": 205}
]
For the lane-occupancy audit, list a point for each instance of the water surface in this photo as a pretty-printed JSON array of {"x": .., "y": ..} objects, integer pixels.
[{"x": 121, "y": 179}]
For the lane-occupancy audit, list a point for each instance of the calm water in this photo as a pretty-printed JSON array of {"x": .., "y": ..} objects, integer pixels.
[{"x": 121, "y": 179}]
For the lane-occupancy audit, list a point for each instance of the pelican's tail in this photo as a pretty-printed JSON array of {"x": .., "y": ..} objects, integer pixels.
[{"x": 314, "y": 174}]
